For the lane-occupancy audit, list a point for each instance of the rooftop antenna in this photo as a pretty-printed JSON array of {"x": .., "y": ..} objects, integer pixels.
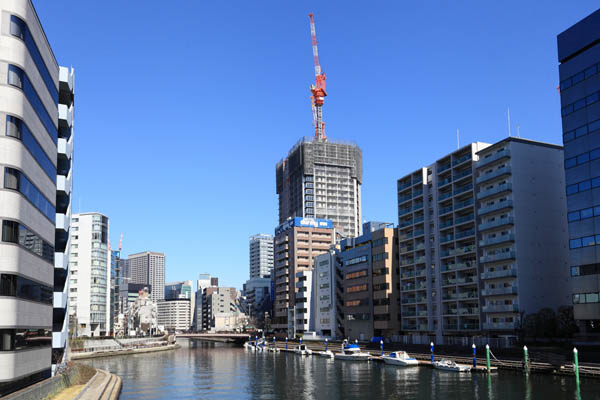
[
  {"x": 518, "y": 130},
  {"x": 457, "y": 139},
  {"x": 508, "y": 121}
]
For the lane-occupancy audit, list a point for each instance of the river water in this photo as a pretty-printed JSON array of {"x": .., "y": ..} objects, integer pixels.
[{"x": 204, "y": 370}]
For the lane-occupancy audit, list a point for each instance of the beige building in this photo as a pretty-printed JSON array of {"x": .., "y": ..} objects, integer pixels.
[
  {"x": 297, "y": 242},
  {"x": 174, "y": 314}
]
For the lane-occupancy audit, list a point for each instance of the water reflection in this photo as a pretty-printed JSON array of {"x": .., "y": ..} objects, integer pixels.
[{"x": 218, "y": 371}]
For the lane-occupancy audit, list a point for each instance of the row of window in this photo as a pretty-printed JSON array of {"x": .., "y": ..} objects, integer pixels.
[
  {"x": 13, "y": 232},
  {"x": 356, "y": 260},
  {"x": 380, "y": 256},
  {"x": 357, "y": 288},
  {"x": 582, "y": 158},
  {"x": 16, "y": 180},
  {"x": 381, "y": 286},
  {"x": 19, "y": 28},
  {"x": 23, "y": 339},
  {"x": 584, "y": 214},
  {"x": 583, "y": 270},
  {"x": 581, "y": 103},
  {"x": 18, "y": 78},
  {"x": 583, "y": 186},
  {"x": 358, "y": 317},
  {"x": 581, "y": 131},
  {"x": 357, "y": 274},
  {"x": 357, "y": 303},
  {"x": 579, "y": 77},
  {"x": 23, "y": 288},
  {"x": 16, "y": 128},
  {"x": 585, "y": 241},
  {"x": 586, "y": 298},
  {"x": 380, "y": 242}
]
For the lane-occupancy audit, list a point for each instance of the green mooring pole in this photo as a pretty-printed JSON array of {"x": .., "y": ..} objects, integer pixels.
[
  {"x": 576, "y": 366},
  {"x": 525, "y": 359},
  {"x": 487, "y": 357}
]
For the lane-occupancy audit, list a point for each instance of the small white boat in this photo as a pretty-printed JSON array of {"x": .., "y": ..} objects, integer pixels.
[
  {"x": 250, "y": 345},
  {"x": 449, "y": 365},
  {"x": 351, "y": 352},
  {"x": 302, "y": 350},
  {"x": 326, "y": 353},
  {"x": 273, "y": 349},
  {"x": 400, "y": 358}
]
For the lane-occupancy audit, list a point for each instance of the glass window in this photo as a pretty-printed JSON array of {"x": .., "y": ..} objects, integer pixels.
[
  {"x": 590, "y": 71},
  {"x": 592, "y": 98},
  {"x": 594, "y": 154},
  {"x": 17, "y": 129},
  {"x": 565, "y": 84},
  {"x": 573, "y": 216},
  {"x": 588, "y": 241},
  {"x": 575, "y": 243},
  {"x": 594, "y": 126},
  {"x": 583, "y": 158},
  {"x": 575, "y": 271},
  {"x": 597, "y": 211},
  {"x": 587, "y": 213},
  {"x": 15, "y": 76},
  {"x": 578, "y": 78},
  {"x": 568, "y": 136},
  {"x": 585, "y": 185},
  {"x": 567, "y": 110},
  {"x": 11, "y": 179},
  {"x": 570, "y": 162},
  {"x": 17, "y": 27},
  {"x": 576, "y": 299},
  {"x": 13, "y": 127},
  {"x": 572, "y": 189},
  {"x": 581, "y": 131},
  {"x": 16, "y": 180},
  {"x": 596, "y": 182},
  {"x": 579, "y": 104},
  {"x": 591, "y": 297}
]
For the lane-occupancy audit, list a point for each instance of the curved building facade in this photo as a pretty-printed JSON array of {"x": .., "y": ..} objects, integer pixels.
[{"x": 31, "y": 208}]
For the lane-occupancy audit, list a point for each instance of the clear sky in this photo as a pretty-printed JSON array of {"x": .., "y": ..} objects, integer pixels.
[{"x": 183, "y": 107}]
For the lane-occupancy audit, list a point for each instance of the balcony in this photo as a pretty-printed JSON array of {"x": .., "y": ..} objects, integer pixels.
[
  {"x": 450, "y": 311},
  {"x": 407, "y": 275},
  {"x": 402, "y": 199},
  {"x": 408, "y": 261},
  {"x": 463, "y": 189},
  {"x": 446, "y": 238},
  {"x": 495, "y": 190},
  {"x": 498, "y": 257},
  {"x": 65, "y": 116},
  {"x": 463, "y": 204},
  {"x": 501, "y": 325},
  {"x": 494, "y": 157},
  {"x": 463, "y": 250},
  {"x": 445, "y": 210},
  {"x": 64, "y": 184},
  {"x": 444, "y": 182},
  {"x": 449, "y": 282},
  {"x": 501, "y": 308},
  {"x": 461, "y": 160},
  {"x": 464, "y": 234},
  {"x": 405, "y": 223},
  {"x": 404, "y": 185},
  {"x": 65, "y": 147},
  {"x": 506, "y": 170},
  {"x": 500, "y": 291},
  {"x": 468, "y": 311},
  {"x": 446, "y": 224},
  {"x": 444, "y": 196},
  {"x": 496, "y": 207},
  {"x": 463, "y": 219},
  {"x": 497, "y": 223},
  {"x": 443, "y": 168},
  {"x": 511, "y": 272},
  {"x": 420, "y": 260},
  {"x": 510, "y": 237},
  {"x": 468, "y": 295}
]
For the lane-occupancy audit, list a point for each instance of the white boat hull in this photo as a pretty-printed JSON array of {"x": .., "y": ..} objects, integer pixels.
[
  {"x": 327, "y": 353},
  {"x": 353, "y": 357},
  {"x": 456, "y": 368},
  {"x": 400, "y": 362}
]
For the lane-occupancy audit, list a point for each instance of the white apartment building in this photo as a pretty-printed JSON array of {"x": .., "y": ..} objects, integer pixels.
[
  {"x": 174, "y": 314},
  {"x": 261, "y": 255},
  {"x": 324, "y": 294},
  {"x": 301, "y": 317},
  {"x": 89, "y": 280}
]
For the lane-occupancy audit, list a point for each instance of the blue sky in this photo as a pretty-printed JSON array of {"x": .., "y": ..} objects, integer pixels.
[{"x": 183, "y": 111}]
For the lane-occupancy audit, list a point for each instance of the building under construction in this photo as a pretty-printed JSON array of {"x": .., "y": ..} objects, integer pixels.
[{"x": 322, "y": 179}]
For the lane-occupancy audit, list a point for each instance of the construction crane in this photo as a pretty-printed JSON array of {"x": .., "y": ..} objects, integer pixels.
[
  {"x": 120, "y": 242},
  {"x": 318, "y": 89}
]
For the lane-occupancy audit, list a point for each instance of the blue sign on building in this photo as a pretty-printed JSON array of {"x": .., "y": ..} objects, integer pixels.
[{"x": 304, "y": 222}]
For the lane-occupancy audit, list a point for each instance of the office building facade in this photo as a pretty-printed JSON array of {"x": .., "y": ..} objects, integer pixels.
[
  {"x": 174, "y": 314},
  {"x": 261, "y": 255},
  {"x": 322, "y": 179},
  {"x": 259, "y": 297},
  {"x": 148, "y": 268},
  {"x": 90, "y": 278},
  {"x": 368, "y": 270},
  {"x": 297, "y": 242},
  {"x": 325, "y": 294},
  {"x": 35, "y": 198},
  {"x": 579, "y": 71},
  {"x": 204, "y": 282}
]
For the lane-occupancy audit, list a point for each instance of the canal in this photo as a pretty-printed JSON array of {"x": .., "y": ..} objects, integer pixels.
[{"x": 204, "y": 370}]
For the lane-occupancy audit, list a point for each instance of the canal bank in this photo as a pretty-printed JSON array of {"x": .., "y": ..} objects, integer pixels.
[{"x": 212, "y": 370}]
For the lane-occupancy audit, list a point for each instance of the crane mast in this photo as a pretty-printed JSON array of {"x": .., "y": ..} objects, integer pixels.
[{"x": 317, "y": 90}]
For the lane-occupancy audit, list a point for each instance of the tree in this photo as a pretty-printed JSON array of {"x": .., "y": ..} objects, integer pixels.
[{"x": 566, "y": 322}]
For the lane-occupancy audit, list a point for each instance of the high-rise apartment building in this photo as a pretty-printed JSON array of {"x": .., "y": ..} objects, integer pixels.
[
  {"x": 368, "y": 285},
  {"x": 89, "y": 281},
  {"x": 36, "y": 142},
  {"x": 479, "y": 240},
  {"x": 261, "y": 255},
  {"x": 579, "y": 70},
  {"x": 297, "y": 242},
  {"x": 325, "y": 294},
  {"x": 204, "y": 282},
  {"x": 322, "y": 179},
  {"x": 148, "y": 268}
]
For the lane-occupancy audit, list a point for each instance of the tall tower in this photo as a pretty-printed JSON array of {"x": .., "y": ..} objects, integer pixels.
[
  {"x": 261, "y": 255},
  {"x": 148, "y": 268}
]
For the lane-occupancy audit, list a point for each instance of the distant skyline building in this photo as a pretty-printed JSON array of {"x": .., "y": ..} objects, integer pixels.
[
  {"x": 148, "y": 267},
  {"x": 90, "y": 279},
  {"x": 204, "y": 282},
  {"x": 579, "y": 71},
  {"x": 36, "y": 140},
  {"x": 322, "y": 179},
  {"x": 261, "y": 255},
  {"x": 174, "y": 314}
]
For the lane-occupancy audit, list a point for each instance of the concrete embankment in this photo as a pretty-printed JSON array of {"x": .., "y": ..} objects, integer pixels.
[{"x": 121, "y": 352}]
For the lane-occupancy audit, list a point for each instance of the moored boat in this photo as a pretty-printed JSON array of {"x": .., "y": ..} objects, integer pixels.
[
  {"x": 449, "y": 365},
  {"x": 400, "y": 358},
  {"x": 302, "y": 350},
  {"x": 326, "y": 353},
  {"x": 351, "y": 352}
]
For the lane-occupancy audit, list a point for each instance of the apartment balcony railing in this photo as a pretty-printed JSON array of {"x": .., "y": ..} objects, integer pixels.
[
  {"x": 468, "y": 311},
  {"x": 463, "y": 189},
  {"x": 501, "y": 325},
  {"x": 495, "y": 207},
  {"x": 419, "y": 246},
  {"x": 444, "y": 182},
  {"x": 500, "y": 291},
  {"x": 420, "y": 260},
  {"x": 495, "y": 190},
  {"x": 445, "y": 210},
  {"x": 496, "y": 156},
  {"x": 450, "y": 311},
  {"x": 498, "y": 257},
  {"x": 406, "y": 275},
  {"x": 402, "y": 186},
  {"x": 446, "y": 238},
  {"x": 443, "y": 168},
  {"x": 461, "y": 159},
  {"x": 402, "y": 199},
  {"x": 405, "y": 223},
  {"x": 497, "y": 223},
  {"x": 463, "y": 204},
  {"x": 422, "y": 313},
  {"x": 467, "y": 295},
  {"x": 445, "y": 196},
  {"x": 509, "y": 237},
  {"x": 506, "y": 170},
  {"x": 446, "y": 224},
  {"x": 464, "y": 218},
  {"x": 465, "y": 234},
  {"x": 419, "y": 219},
  {"x": 499, "y": 274},
  {"x": 501, "y": 308}
]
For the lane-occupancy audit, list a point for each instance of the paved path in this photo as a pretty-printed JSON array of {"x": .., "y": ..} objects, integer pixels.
[{"x": 103, "y": 386}]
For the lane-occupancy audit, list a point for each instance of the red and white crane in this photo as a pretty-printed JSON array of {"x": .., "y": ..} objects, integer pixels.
[{"x": 318, "y": 89}]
